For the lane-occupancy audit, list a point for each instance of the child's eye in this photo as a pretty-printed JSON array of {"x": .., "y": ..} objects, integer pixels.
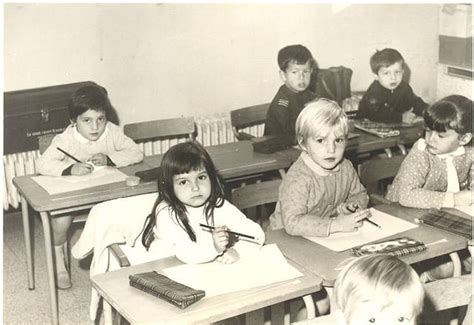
[
  {"x": 202, "y": 177},
  {"x": 182, "y": 182},
  {"x": 101, "y": 119},
  {"x": 340, "y": 140},
  {"x": 372, "y": 320},
  {"x": 401, "y": 319}
]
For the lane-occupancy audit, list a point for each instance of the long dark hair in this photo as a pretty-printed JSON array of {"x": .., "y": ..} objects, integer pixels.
[{"x": 179, "y": 159}]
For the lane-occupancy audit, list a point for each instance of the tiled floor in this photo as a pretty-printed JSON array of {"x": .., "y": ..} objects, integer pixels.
[{"x": 22, "y": 306}]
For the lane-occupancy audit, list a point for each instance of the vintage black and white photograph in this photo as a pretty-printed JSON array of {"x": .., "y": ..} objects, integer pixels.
[{"x": 237, "y": 163}]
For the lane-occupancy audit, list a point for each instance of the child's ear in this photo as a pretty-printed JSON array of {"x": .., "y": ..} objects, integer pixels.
[
  {"x": 300, "y": 142},
  {"x": 376, "y": 76},
  {"x": 73, "y": 121},
  {"x": 282, "y": 75},
  {"x": 465, "y": 138}
]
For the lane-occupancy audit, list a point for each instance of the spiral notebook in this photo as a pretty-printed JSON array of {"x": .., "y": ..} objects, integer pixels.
[{"x": 397, "y": 247}]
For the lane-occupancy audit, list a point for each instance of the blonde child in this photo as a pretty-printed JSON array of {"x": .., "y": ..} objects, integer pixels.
[
  {"x": 378, "y": 289},
  {"x": 321, "y": 194},
  {"x": 90, "y": 137},
  {"x": 437, "y": 171}
]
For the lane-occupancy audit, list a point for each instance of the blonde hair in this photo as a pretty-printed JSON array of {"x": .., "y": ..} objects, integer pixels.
[
  {"x": 381, "y": 278},
  {"x": 321, "y": 114}
]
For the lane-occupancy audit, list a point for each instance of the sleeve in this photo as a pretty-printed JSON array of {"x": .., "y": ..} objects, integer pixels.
[
  {"x": 372, "y": 107},
  {"x": 185, "y": 249},
  {"x": 416, "y": 102},
  {"x": 53, "y": 162},
  {"x": 357, "y": 191},
  {"x": 230, "y": 216},
  {"x": 277, "y": 117},
  {"x": 296, "y": 218},
  {"x": 126, "y": 152},
  {"x": 411, "y": 179}
]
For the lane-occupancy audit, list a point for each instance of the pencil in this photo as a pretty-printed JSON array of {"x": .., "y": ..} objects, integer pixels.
[
  {"x": 370, "y": 221},
  {"x": 230, "y": 232},
  {"x": 69, "y": 155}
]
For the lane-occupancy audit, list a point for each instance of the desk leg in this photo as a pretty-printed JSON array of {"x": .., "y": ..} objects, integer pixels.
[
  {"x": 310, "y": 309},
  {"x": 29, "y": 254},
  {"x": 48, "y": 243},
  {"x": 456, "y": 272}
]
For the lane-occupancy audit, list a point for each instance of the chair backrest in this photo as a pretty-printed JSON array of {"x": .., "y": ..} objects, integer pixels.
[
  {"x": 376, "y": 169},
  {"x": 253, "y": 195},
  {"x": 449, "y": 293},
  {"x": 144, "y": 131},
  {"x": 44, "y": 141},
  {"x": 248, "y": 116}
]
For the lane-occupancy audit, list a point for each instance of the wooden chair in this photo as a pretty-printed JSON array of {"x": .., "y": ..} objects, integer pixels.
[
  {"x": 248, "y": 116},
  {"x": 144, "y": 131},
  {"x": 373, "y": 171}
]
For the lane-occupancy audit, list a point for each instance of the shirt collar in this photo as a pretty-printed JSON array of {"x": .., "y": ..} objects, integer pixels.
[
  {"x": 79, "y": 137},
  {"x": 315, "y": 167},
  {"x": 421, "y": 145}
]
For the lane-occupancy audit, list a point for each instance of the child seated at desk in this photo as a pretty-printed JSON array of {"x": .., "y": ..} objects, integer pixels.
[
  {"x": 89, "y": 137},
  {"x": 296, "y": 65},
  {"x": 321, "y": 194},
  {"x": 377, "y": 289},
  {"x": 437, "y": 171},
  {"x": 389, "y": 99}
]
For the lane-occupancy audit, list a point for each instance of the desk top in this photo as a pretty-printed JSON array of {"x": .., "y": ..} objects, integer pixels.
[
  {"x": 323, "y": 262},
  {"x": 140, "y": 308},
  {"x": 232, "y": 160}
]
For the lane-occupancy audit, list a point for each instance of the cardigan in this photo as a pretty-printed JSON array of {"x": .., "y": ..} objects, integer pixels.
[{"x": 307, "y": 200}]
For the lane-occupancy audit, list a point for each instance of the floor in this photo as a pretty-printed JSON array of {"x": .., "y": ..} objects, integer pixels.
[{"x": 22, "y": 306}]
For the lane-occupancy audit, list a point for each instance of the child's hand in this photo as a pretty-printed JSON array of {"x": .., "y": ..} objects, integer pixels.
[
  {"x": 221, "y": 238},
  {"x": 80, "y": 169},
  {"x": 98, "y": 159},
  {"x": 349, "y": 222},
  {"x": 347, "y": 208},
  {"x": 463, "y": 198},
  {"x": 230, "y": 256},
  {"x": 408, "y": 116}
]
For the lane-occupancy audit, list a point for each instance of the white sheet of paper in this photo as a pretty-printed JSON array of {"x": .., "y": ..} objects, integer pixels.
[
  {"x": 468, "y": 209},
  {"x": 390, "y": 225},
  {"x": 63, "y": 184},
  {"x": 265, "y": 267}
]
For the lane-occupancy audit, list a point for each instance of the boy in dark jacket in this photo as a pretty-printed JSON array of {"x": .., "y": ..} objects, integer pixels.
[{"x": 389, "y": 99}]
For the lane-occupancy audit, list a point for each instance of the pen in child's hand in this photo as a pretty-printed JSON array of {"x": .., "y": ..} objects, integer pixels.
[
  {"x": 230, "y": 232},
  {"x": 69, "y": 155},
  {"x": 353, "y": 208},
  {"x": 371, "y": 222}
]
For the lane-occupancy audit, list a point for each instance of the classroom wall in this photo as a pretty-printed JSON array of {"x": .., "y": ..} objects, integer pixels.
[{"x": 166, "y": 60}]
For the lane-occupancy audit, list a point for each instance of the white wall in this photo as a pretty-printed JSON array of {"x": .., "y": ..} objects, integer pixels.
[{"x": 166, "y": 60}]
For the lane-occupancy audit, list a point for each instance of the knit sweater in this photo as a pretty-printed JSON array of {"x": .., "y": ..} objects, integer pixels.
[
  {"x": 307, "y": 200},
  {"x": 121, "y": 150},
  {"x": 422, "y": 180}
]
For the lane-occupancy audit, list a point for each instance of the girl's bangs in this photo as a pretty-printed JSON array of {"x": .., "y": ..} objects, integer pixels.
[{"x": 186, "y": 162}]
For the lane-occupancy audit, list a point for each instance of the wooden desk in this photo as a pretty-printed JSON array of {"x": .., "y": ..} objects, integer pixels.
[
  {"x": 323, "y": 261},
  {"x": 141, "y": 308},
  {"x": 367, "y": 142},
  {"x": 232, "y": 160}
]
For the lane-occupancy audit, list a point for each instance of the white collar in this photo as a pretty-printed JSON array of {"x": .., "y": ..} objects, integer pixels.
[
  {"x": 315, "y": 167},
  {"x": 79, "y": 137},
  {"x": 421, "y": 145}
]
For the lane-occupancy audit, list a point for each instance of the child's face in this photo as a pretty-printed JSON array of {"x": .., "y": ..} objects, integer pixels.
[
  {"x": 91, "y": 124},
  {"x": 325, "y": 148},
  {"x": 372, "y": 313},
  {"x": 193, "y": 188},
  {"x": 390, "y": 77},
  {"x": 297, "y": 76},
  {"x": 444, "y": 142}
]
